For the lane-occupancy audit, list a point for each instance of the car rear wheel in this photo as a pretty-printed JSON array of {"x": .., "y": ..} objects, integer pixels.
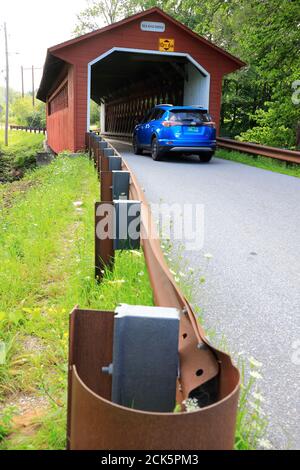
[
  {"x": 137, "y": 150},
  {"x": 205, "y": 157},
  {"x": 156, "y": 153}
]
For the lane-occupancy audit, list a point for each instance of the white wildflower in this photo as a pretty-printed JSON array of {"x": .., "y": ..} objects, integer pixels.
[
  {"x": 118, "y": 281},
  {"x": 208, "y": 256},
  {"x": 177, "y": 279},
  {"x": 141, "y": 273},
  {"x": 258, "y": 397},
  {"x": 254, "y": 425},
  {"x": 265, "y": 444},
  {"x": 77, "y": 203},
  {"x": 255, "y": 363},
  {"x": 253, "y": 405},
  {"x": 173, "y": 272},
  {"x": 256, "y": 375},
  {"x": 181, "y": 274},
  {"x": 191, "y": 404}
]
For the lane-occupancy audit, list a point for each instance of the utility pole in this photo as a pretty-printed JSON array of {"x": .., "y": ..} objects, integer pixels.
[
  {"x": 32, "y": 72},
  {"x": 22, "y": 77},
  {"x": 7, "y": 86}
]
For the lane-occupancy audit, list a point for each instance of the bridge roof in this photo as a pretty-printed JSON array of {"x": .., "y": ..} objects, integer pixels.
[
  {"x": 142, "y": 14},
  {"x": 54, "y": 64}
]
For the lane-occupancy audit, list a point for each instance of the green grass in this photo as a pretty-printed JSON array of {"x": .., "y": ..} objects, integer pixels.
[
  {"x": 20, "y": 140},
  {"x": 260, "y": 162},
  {"x": 46, "y": 267},
  {"x": 19, "y": 156}
]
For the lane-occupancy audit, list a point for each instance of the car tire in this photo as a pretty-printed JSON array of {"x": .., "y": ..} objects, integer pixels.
[
  {"x": 156, "y": 153},
  {"x": 205, "y": 157},
  {"x": 137, "y": 150}
]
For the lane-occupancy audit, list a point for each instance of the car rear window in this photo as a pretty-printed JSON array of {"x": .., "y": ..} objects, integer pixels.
[{"x": 192, "y": 117}]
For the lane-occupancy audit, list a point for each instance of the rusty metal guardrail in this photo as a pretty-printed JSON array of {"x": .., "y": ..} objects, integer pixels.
[
  {"x": 94, "y": 422},
  {"x": 29, "y": 129},
  {"x": 290, "y": 156}
]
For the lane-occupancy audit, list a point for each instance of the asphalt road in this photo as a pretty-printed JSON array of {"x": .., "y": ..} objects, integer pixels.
[{"x": 252, "y": 290}]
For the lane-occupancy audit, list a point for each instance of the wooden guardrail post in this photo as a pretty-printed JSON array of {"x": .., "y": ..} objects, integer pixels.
[{"x": 104, "y": 243}]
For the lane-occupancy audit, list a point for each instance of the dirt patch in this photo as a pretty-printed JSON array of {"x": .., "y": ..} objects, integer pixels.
[
  {"x": 13, "y": 191},
  {"x": 28, "y": 411},
  {"x": 25, "y": 403},
  {"x": 27, "y": 423},
  {"x": 32, "y": 344}
]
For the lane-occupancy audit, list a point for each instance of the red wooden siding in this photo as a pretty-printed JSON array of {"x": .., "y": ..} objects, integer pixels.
[{"x": 60, "y": 116}]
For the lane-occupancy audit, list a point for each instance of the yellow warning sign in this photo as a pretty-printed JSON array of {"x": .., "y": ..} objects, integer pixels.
[{"x": 166, "y": 45}]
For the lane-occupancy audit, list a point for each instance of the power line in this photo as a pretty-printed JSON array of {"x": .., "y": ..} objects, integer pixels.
[
  {"x": 32, "y": 68},
  {"x": 7, "y": 85},
  {"x": 32, "y": 75},
  {"x": 22, "y": 78}
]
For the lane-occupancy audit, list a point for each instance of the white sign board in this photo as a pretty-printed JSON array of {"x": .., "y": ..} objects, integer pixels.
[{"x": 153, "y": 26}]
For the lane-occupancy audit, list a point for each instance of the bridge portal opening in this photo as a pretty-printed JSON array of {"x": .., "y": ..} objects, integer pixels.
[{"x": 126, "y": 83}]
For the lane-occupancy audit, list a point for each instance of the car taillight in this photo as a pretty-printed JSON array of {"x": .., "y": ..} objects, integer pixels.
[{"x": 171, "y": 123}]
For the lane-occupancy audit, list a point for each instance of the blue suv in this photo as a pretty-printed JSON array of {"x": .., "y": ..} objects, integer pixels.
[{"x": 176, "y": 129}]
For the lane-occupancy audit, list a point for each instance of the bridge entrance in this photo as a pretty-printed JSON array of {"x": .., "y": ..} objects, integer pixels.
[{"x": 126, "y": 83}]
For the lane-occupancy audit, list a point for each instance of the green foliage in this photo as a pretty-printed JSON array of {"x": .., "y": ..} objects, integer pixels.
[
  {"x": 273, "y": 125},
  {"x": 258, "y": 101},
  {"x": 6, "y": 421},
  {"x": 21, "y": 110},
  {"x": 98, "y": 12},
  {"x": 95, "y": 114},
  {"x": 20, "y": 154},
  {"x": 251, "y": 423},
  {"x": 23, "y": 113}
]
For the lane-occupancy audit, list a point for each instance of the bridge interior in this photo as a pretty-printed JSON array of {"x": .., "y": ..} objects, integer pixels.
[{"x": 128, "y": 84}]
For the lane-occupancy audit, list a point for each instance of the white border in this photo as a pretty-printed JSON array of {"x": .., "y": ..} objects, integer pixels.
[{"x": 138, "y": 51}]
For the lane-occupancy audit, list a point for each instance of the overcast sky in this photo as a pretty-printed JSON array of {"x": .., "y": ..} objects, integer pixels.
[{"x": 33, "y": 26}]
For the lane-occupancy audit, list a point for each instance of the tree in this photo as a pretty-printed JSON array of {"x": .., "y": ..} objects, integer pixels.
[
  {"x": 99, "y": 13},
  {"x": 13, "y": 95},
  {"x": 23, "y": 113},
  {"x": 95, "y": 114},
  {"x": 269, "y": 39}
]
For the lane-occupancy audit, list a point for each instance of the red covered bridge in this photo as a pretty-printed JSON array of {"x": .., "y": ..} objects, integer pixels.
[{"x": 128, "y": 67}]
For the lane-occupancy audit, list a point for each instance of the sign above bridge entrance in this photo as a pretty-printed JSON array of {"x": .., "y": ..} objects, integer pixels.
[
  {"x": 154, "y": 26},
  {"x": 166, "y": 45}
]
